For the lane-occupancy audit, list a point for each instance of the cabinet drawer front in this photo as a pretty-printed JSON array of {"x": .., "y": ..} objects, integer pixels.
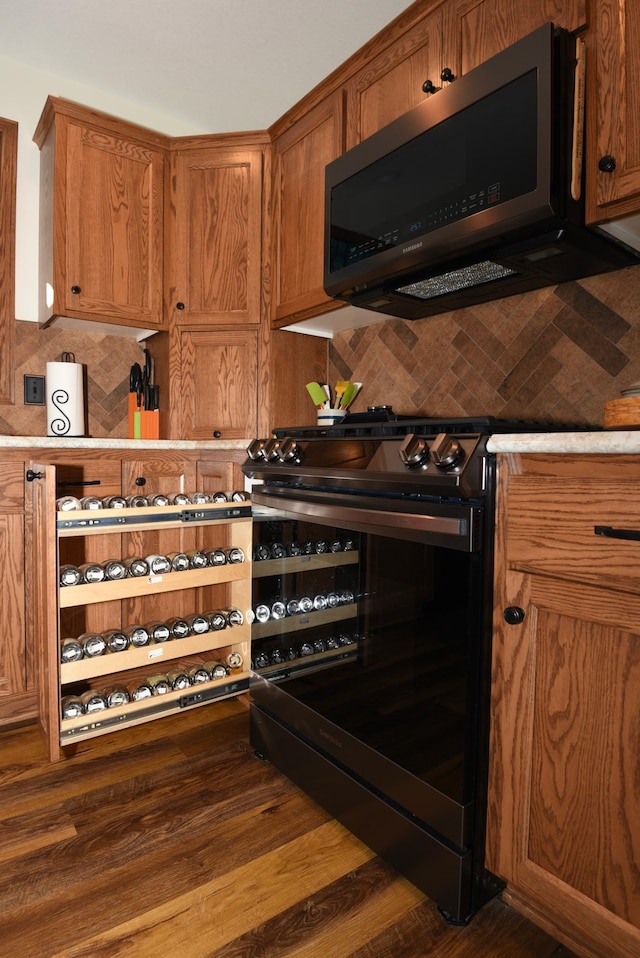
[
  {"x": 12, "y": 486},
  {"x": 551, "y": 525}
]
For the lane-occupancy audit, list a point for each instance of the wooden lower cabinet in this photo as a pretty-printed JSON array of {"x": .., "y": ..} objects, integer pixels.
[
  {"x": 16, "y": 678},
  {"x": 183, "y": 634},
  {"x": 563, "y": 825}
]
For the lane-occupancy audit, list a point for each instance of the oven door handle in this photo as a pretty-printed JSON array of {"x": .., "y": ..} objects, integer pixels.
[{"x": 456, "y": 529}]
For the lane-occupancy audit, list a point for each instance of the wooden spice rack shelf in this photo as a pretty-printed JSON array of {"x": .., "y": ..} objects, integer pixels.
[
  {"x": 298, "y": 623},
  {"x": 130, "y": 600},
  {"x": 158, "y": 706}
]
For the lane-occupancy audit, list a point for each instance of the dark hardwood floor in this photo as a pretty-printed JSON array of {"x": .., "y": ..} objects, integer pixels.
[{"x": 171, "y": 838}]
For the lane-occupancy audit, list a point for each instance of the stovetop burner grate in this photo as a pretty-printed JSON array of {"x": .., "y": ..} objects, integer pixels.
[{"x": 384, "y": 423}]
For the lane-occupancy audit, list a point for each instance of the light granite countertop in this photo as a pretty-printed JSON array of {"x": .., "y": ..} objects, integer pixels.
[
  {"x": 71, "y": 442},
  {"x": 609, "y": 442}
]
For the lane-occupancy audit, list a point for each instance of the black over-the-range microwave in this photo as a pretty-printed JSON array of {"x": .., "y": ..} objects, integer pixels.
[{"x": 473, "y": 195}]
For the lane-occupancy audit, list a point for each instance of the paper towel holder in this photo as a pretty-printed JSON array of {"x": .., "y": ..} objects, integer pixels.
[{"x": 65, "y": 397}]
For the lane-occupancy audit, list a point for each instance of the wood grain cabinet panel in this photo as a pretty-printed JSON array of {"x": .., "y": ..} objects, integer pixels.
[
  {"x": 8, "y": 172},
  {"x": 218, "y": 383},
  {"x": 485, "y": 27},
  {"x": 14, "y": 677},
  {"x": 563, "y": 825},
  {"x": 613, "y": 106},
  {"x": 301, "y": 154},
  {"x": 223, "y": 475},
  {"x": 167, "y": 473},
  {"x": 215, "y": 260},
  {"x": 570, "y": 529},
  {"x": 13, "y": 666},
  {"x": 102, "y": 218},
  {"x": 392, "y": 83}
]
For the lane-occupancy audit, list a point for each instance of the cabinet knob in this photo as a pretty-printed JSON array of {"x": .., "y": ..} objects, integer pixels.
[
  {"x": 513, "y": 615},
  {"x": 447, "y": 75},
  {"x": 429, "y": 87},
  {"x": 140, "y": 481},
  {"x": 75, "y": 290},
  {"x": 179, "y": 305},
  {"x": 31, "y": 476},
  {"x": 606, "y": 163},
  {"x": 216, "y": 434}
]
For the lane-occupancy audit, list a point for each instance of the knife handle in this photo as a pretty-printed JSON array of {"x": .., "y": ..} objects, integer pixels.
[{"x": 132, "y": 408}]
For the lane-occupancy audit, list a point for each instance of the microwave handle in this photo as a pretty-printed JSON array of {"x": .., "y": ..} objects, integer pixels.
[{"x": 577, "y": 145}]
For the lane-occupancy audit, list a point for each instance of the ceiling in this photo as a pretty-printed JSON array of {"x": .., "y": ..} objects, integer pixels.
[{"x": 219, "y": 65}]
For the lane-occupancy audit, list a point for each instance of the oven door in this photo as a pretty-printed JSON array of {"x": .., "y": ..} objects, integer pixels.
[{"x": 370, "y": 642}]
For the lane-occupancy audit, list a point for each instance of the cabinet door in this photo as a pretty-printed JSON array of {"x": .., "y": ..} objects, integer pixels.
[
  {"x": 485, "y": 27},
  {"x": 563, "y": 827},
  {"x": 111, "y": 229},
  {"x": 613, "y": 144},
  {"x": 17, "y": 701},
  {"x": 221, "y": 475},
  {"x": 168, "y": 473},
  {"x": 13, "y": 679},
  {"x": 216, "y": 230},
  {"x": 300, "y": 156},
  {"x": 218, "y": 384},
  {"x": 392, "y": 84}
]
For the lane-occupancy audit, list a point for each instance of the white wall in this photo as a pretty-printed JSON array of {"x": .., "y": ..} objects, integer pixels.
[{"x": 23, "y": 92}]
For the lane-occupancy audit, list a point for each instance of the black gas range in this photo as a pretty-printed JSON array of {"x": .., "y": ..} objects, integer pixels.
[
  {"x": 371, "y": 649},
  {"x": 379, "y": 452}
]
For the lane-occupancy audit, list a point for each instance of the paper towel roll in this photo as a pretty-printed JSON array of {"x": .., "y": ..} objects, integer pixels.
[{"x": 65, "y": 399}]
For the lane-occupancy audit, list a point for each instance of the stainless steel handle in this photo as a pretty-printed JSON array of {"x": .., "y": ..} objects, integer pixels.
[{"x": 456, "y": 528}]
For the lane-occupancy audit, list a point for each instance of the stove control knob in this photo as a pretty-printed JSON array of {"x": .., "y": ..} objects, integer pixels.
[
  {"x": 287, "y": 450},
  {"x": 445, "y": 451},
  {"x": 255, "y": 449},
  {"x": 413, "y": 451},
  {"x": 270, "y": 451}
]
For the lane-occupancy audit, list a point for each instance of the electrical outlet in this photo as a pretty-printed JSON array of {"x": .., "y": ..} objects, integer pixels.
[{"x": 34, "y": 390}]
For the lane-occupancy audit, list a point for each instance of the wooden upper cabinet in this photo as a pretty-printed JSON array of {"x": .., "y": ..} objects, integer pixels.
[
  {"x": 301, "y": 153},
  {"x": 216, "y": 384},
  {"x": 215, "y": 236},
  {"x": 454, "y": 37},
  {"x": 392, "y": 83},
  {"x": 101, "y": 215},
  {"x": 613, "y": 106},
  {"x": 486, "y": 27}
]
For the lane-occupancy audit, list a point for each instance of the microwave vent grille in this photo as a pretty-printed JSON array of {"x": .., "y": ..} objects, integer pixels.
[{"x": 467, "y": 276}]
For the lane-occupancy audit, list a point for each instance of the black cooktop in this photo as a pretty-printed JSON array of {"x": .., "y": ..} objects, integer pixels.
[{"x": 382, "y": 421}]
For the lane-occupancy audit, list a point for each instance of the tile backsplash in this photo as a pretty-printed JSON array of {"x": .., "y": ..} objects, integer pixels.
[
  {"x": 558, "y": 353},
  {"x": 107, "y": 360}
]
